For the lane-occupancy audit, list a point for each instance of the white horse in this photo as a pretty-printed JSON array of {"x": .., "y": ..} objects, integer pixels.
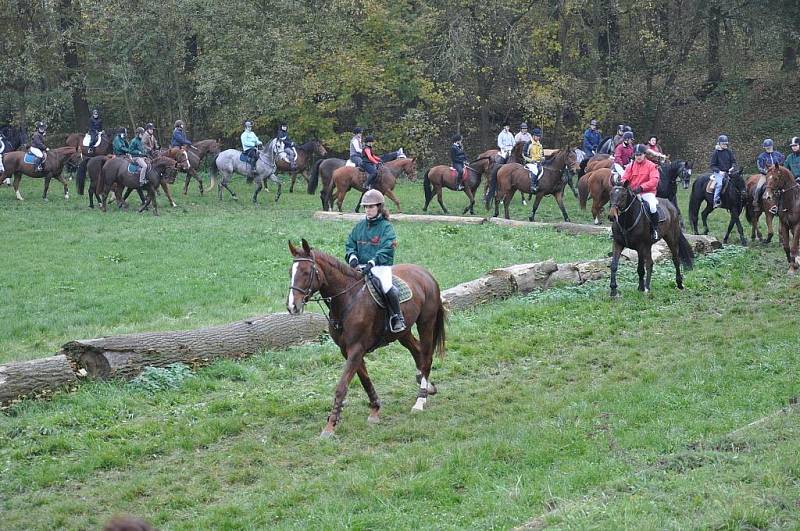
[{"x": 229, "y": 162}]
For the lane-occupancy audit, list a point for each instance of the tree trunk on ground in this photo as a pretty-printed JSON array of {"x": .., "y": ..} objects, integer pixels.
[
  {"x": 34, "y": 378},
  {"x": 500, "y": 285},
  {"x": 126, "y": 356}
]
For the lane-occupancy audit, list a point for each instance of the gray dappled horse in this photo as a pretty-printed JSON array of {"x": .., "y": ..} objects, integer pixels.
[{"x": 228, "y": 162}]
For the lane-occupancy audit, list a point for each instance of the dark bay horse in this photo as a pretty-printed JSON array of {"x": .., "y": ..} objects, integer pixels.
[
  {"x": 756, "y": 205},
  {"x": 323, "y": 170},
  {"x": 784, "y": 192},
  {"x": 630, "y": 227},
  {"x": 92, "y": 167},
  {"x": 440, "y": 177},
  {"x": 348, "y": 177},
  {"x": 669, "y": 175},
  {"x": 733, "y": 197},
  {"x": 305, "y": 154},
  {"x": 115, "y": 175},
  {"x": 509, "y": 178},
  {"x": 357, "y": 323},
  {"x": 54, "y": 164}
]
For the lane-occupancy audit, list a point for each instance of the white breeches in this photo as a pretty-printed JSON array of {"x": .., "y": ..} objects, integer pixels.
[
  {"x": 37, "y": 152},
  {"x": 652, "y": 202},
  {"x": 384, "y": 274},
  {"x": 533, "y": 168}
]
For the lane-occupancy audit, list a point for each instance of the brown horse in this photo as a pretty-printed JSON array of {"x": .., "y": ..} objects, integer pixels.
[
  {"x": 357, "y": 323},
  {"x": 439, "y": 177},
  {"x": 756, "y": 205},
  {"x": 784, "y": 192},
  {"x": 348, "y": 177},
  {"x": 115, "y": 175},
  {"x": 197, "y": 153},
  {"x": 305, "y": 153},
  {"x": 323, "y": 170},
  {"x": 630, "y": 228},
  {"x": 188, "y": 163},
  {"x": 509, "y": 178},
  {"x": 599, "y": 161},
  {"x": 53, "y": 165},
  {"x": 92, "y": 166},
  {"x": 596, "y": 184}
]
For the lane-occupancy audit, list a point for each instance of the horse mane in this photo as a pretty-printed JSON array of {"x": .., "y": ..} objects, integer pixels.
[
  {"x": 308, "y": 146},
  {"x": 337, "y": 264}
]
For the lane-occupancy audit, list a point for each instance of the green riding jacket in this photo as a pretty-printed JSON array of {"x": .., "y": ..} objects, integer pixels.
[
  {"x": 793, "y": 163},
  {"x": 136, "y": 149},
  {"x": 120, "y": 146},
  {"x": 372, "y": 240}
]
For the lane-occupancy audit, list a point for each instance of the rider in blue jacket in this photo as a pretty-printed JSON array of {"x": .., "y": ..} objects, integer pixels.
[
  {"x": 179, "y": 136},
  {"x": 591, "y": 139},
  {"x": 769, "y": 157}
]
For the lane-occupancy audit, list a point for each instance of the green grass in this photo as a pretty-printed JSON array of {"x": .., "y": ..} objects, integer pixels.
[{"x": 590, "y": 411}]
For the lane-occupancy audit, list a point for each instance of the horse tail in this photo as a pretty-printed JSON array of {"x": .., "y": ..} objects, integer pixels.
[
  {"x": 685, "y": 252},
  {"x": 492, "y": 184},
  {"x": 80, "y": 177},
  {"x": 694, "y": 201},
  {"x": 426, "y": 186},
  {"x": 583, "y": 192},
  {"x": 439, "y": 331},
  {"x": 313, "y": 181}
]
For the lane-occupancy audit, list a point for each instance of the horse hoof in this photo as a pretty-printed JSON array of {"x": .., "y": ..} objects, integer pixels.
[
  {"x": 174, "y": 205},
  {"x": 792, "y": 272},
  {"x": 524, "y": 202},
  {"x": 45, "y": 200},
  {"x": 326, "y": 434},
  {"x": 66, "y": 197},
  {"x": 744, "y": 243},
  {"x": 419, "y": 405},
  {"x": 373, "y": 419}
]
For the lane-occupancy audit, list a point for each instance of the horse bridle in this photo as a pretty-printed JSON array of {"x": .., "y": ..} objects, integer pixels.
[
  {"x": 314, "y": 274},
  {"x": 632, "y": 202}
]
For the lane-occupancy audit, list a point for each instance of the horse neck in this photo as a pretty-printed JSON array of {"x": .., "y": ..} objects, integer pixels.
[{"x": 337, "y": 281}]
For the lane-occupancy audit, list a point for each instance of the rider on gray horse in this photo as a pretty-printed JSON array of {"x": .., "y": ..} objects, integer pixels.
[{"x": 250, "y": 145}]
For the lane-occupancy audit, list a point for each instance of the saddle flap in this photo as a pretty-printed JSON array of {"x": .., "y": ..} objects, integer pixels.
[
  {"x": 244, "y": 158},
  {"x": 30, "y": 158},
  {"x": 133, "y": 168},
  {"x": 712, "y": 182},
  {"x": 404, "y": 292},
  {"x": 662, "y": 212}
]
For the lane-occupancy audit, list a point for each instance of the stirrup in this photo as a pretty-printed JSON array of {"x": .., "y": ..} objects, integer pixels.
[{"x": 399, "y": 322}]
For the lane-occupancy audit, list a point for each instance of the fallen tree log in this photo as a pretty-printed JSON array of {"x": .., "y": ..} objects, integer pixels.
[
  {"x": 418, "y": 218},
  {"x": 125, "y": 356},
  {"x": 35, "y": 378},
  {"x": 479, "y": 291}
]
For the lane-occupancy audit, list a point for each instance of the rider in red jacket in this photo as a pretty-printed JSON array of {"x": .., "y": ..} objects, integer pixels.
[{"x": 642, "y": 176}]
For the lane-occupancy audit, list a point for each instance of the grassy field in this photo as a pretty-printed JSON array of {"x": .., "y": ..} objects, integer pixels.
[{"x": 562, "y": 405}]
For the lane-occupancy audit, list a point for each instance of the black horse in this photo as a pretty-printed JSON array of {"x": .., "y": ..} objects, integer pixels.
[
  {"x": 630, "y": 228},
  {"x": 669, "y": 174},
  {"x": 732, "y": 196}
]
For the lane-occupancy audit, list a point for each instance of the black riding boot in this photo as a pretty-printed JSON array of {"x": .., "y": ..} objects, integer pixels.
[
  {"x": 396, "y": 322},
  {"x": 253, "y": 164},
  {"x": 370, "y": 181},
  {"x": 654, "y": 226},
  {"x": 534, "y": 184}
]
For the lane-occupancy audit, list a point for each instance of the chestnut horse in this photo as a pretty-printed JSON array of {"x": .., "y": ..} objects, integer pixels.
[
  {"x": 305, "y": 153},
  {"x": 784, "y": 192},
  {"x": 509, "y": 178},
  {"x": 189, "y": 163},
  {"x": 15, "y": 165},
  {"x": 439, "y": 177},
  {"x": 200, "y": 149},
  {"x": 357, "y": 323},
  {"x": 630, "y": 227},
  {"x": 756, "y": 205},
  {"x": 348, "y": 177},
  {"x": 323, "y": 170},
  {"x": 596, "y": 184},
  {"x": 115, "y": 175}
]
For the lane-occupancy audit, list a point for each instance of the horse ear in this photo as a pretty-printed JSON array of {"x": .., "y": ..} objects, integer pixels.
[
  {"x": 306, "y": 246},
  {"x": 292, "y": 248}
]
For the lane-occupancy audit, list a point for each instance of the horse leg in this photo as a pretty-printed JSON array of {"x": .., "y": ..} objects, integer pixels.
[
  {"x": 439, "y": 199},
  {"x": 648, "y": 265},
  {"x": 294, "y": 176},
  {"x": 186, "y": 184},
  {"x": 471, "y": 197},
  {"x": 199, "y": 182},
  {"x": 640, "y": 268},
  {"x": 704, "y": 215},
  {"x": 768, "y": 216},
  {"x": 672, "y": 243},
  {"x": 390, "y": 195},
  {"x": 423, "y": 360},
  {"x": 64, "y": 182},
  {"x": 17, "y": 179},
  {"x": 259, "y": 186},
  {"x": 616, "y": 252},
  {"x": 740, "y": 229},
  {"x": 793, "y": 252},
  {"x": 536, "y": 206},
  {"x": 355, "y": 359},
  {"x": 596, "y": 210},
  {"x": 560, "y": 201},
  {"x": 506, "y": 200},
  {"x": 46, "y": 186},
  {"x": 427, "y": 202},
  {"x": 374, "y": 402},
  {"x": 274, "y": 178}
]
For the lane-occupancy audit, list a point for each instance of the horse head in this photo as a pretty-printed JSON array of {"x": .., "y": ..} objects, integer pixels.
[
  {"x": 684, "y": 173},
  {"x": 779, "y": 179},
  {"x": 166, "y": 168},
  {"x": 620, "y": 200},
  {"x": 305, "y": 277},
  {"x": 319, "y": 149},
  {"x": 410, "y": 169}
]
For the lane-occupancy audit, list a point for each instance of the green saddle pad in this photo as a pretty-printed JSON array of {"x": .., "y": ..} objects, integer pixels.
[{"x": 402, "y": 288}]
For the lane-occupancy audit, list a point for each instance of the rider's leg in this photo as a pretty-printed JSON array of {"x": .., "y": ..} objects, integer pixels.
[
  {"x": 372, "y": 174},
  {"x": 396, "y": 322},
  {"x": 460, "y": 176},
  {"x": 143, "y": 171},
  {"x": 535, "y": 179},
  {"x": 717, "y": 188},
  {"x": 652, "y": 205}
]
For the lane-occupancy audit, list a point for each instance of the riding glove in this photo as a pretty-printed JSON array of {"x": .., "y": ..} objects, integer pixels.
[{"x": 353, "y": 262}]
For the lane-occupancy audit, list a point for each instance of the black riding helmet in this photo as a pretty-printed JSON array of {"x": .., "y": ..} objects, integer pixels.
[
  {"x": 357, "y": 131},
  {"x": 456, "y": 138},
  {"x": 640, "y": 149},
  {"x": 369, "y": 139}
]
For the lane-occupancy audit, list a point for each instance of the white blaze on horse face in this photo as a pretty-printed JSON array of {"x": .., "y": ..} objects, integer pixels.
[{"x": 290, "y": 304}]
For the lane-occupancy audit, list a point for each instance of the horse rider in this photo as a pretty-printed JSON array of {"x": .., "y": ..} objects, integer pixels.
[
  {"x": 179, "y": 138},
  {"x": 250, "y": 145},
  {"x": 120, "y": 145},
  {"x": 458, "y": 158},
  {"x": 591, "y": 139},
  {"x": 793, "y": 160},
  {"x": 623, "y": 153},
  {"x": 769, "y": 157},
  {"x": 505, "y": 142},
  {"x": 370, "y": 249},
  {"x": 617, "y": 140},
  {"x": 38, "y": 148},
  {"x": 138, "y": 152},
  {"x": 371, "y": 160},
  {"x": 523, "y": 135},
  {"x": 723, "y": 160},
  {"x": 95, "y": 129},
  {"x": 149, "y": 140},
  {"x": 533, "y": 156},
  {"x": 356, "y": 148},
  {"x": 642, "y": 176},
  {"x": 288, "y": 145},
  {"x": 654, "y": 151}
]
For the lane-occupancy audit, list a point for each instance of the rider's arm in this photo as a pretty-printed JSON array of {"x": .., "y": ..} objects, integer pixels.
[
  {"x": 385, "y": 255},
  {"x": 350, "y": 246}
]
